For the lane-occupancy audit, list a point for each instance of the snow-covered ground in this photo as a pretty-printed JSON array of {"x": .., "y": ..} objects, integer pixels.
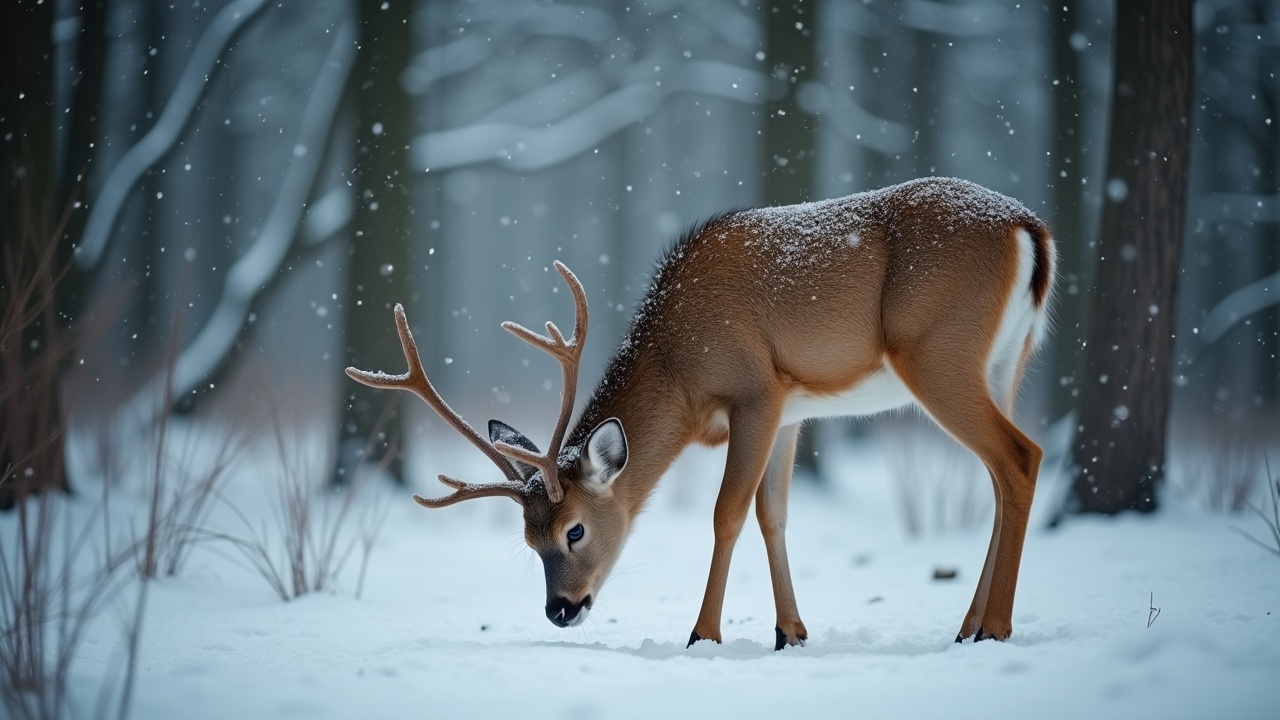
[{"x": 450, "y": 623}]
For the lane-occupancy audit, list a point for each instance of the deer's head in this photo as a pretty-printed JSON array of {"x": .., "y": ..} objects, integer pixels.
[
  {"x": 579, "y": 537},
  {"x": 572, "y": 518}
]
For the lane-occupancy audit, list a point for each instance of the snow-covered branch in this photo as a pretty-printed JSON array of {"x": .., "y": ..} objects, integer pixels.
[
  {"x": 166, "y": 131},
  {"x": 1239, "y": 305},
  {"x": 1240, "y": 207},
  {"x": 967, "y": 20},
  {"x": 437, "y": 63},
  {"x": 854, "y": 122},
  {"x": 252, "y": 273},
  {"x": 326, "y": 216},
  {"x": 1245, "y": 208},
  {"x": 577, "y": 22},
  {"x": 971, "y": 20},
  {"x": 527, "y": 148},
  {"x": 740, "y": 29}
]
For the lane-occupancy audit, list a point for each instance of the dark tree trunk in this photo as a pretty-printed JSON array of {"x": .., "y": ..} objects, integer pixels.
[
  {"x": 379, "y": 260},
  {"x": 76, "y": 154},
  {"x": 877, "y": 168},
  {"x": 1265, "y": 14},
  {"x": 1120, "y": 446},
  {"x": 789, "y": 133},
  {"x": 86, "y": 99},
  {"x": 925, "y": 99},
  {"x": 788, "y": 130},
  {"x": 31, "y": 423},
  {"x": 1066, "y": 169},
  {"x": 1268, "y": 335},
  {"x": 26, "y": 116}
]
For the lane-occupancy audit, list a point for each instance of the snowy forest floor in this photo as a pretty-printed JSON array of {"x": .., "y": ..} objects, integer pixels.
[{"x": 450, "y": 623}]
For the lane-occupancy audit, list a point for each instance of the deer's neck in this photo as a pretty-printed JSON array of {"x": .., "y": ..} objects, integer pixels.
[{"x": 654, "y": 416}]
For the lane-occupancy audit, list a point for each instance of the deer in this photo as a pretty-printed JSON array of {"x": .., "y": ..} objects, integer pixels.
[{"x": 933, "y": 293}]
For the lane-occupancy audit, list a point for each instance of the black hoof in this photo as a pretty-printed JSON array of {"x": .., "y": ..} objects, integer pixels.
[
  {"x": 693, "y": 638},
  {"x": 780, "y": 639}
]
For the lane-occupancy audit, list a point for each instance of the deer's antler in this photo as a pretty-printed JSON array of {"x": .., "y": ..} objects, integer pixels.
[
  {"x": 416, "y": 382},
  {"x": 569, "y": 354}
]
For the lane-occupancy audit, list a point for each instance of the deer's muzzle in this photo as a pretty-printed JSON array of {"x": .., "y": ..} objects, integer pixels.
[{"x": 565, "y": 613}]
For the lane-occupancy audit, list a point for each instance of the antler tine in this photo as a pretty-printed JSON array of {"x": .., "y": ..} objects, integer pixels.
[
  {"x": 555, "y": 334},
  {"x": 415, "y": 381},
  {"x": 577, "y": 342},
  {"x": 544, "y": 462},
  {"x": 569, "y": 354},
  {"x": 464, "y": 491}
]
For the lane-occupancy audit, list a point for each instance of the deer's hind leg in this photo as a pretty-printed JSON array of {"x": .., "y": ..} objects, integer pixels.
[
  {"x": 1003, "y": 381},
  {"x": 958, "y": 398},
  {"x": 771, "y": 511}
]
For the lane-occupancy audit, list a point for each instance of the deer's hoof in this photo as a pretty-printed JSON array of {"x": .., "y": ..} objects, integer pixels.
[
  {"x": 985, "y": 635},
  {"x": 782, "y": 639}
]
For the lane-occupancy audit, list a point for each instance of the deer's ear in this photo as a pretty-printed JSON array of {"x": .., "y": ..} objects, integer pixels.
[
  {"x": 502, "y": 432},
  {"x": 605, "y": 455}
]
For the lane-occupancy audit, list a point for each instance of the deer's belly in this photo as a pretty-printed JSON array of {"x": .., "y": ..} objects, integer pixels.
[{"x": 879, "y": 391}]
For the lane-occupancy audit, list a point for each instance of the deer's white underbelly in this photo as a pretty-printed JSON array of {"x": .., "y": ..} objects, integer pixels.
[{"x": 880, "y": 391}]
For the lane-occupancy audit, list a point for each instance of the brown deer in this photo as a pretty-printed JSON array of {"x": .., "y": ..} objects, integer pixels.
[{"x": 932, "y": 292}]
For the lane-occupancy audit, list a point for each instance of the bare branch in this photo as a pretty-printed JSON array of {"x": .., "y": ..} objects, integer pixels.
[
  {"x": 168, "y": 128},
  {"x": 1244, "y": 302},
  {"x": 252, "y": 273}
]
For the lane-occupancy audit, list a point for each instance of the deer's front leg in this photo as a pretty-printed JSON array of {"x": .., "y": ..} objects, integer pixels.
[
  {"x": 771, "y": 511},
  {"x": 750, "y": 439}
]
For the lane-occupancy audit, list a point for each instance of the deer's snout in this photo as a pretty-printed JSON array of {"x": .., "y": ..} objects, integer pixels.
[{"x": 564, "y": 612}]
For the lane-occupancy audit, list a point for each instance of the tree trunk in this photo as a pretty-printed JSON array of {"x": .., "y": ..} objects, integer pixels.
[
  {"x": 1267, "y": 183},
  {"x": 378, "y": 265},
  {"x": 788, "y": 130},
  {"x": 85, "y": 100},
  {"x": 77, "y": 151},
  {"x": 1119, "y": 451},
  {"x": 1066, "y": 170},
  {"x": 31, "y": 423},
  {"x": 924, "y": 102}
]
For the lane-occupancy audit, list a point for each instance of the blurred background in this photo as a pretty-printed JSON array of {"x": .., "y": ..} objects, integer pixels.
[{"x": 249, "y": 187}]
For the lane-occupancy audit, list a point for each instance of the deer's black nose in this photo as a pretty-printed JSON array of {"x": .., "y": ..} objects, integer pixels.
[{"x": 564, "y": 612}]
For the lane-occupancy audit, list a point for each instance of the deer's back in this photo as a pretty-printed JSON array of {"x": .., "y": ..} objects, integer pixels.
[{"x": 816, "y": 294}]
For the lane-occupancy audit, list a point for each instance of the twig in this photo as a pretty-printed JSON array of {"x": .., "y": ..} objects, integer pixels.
[
  {"x": 1153, "y": 612},
  {"x": 1273, "y": 522}
]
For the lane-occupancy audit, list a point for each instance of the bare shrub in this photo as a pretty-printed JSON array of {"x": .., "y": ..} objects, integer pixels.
[
  {"x": 33, "y": 348},
  {"x": 189, "y": 502},
  {"x": 51, "y": 585},
  {"x": 50, "y": 589},
  {"x": 1222, "y": 463},
  {"x": 181, "y": 475},
  {"x": 1272, "y": 519},
  {"x": 183, "y": 485},
  {"x": 940, "y": 485},
  {"x": 317, "y": 527}
]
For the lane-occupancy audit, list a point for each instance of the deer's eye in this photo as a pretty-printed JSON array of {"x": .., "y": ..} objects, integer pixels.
[{"x": 575, "y": 533}]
